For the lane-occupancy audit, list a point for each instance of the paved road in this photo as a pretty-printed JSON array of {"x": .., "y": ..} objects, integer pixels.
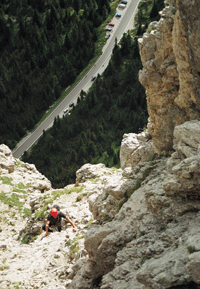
[{"x": 121, "y": 25}]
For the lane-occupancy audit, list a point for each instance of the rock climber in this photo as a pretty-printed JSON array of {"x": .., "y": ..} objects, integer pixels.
[{"x": 54, "y": 219}]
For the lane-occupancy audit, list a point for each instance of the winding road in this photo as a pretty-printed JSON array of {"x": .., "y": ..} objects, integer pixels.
[{"x": 122, "y": 24}]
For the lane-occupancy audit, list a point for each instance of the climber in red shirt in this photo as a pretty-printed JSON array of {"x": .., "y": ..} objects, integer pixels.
[{"x": 54, "y": 219}]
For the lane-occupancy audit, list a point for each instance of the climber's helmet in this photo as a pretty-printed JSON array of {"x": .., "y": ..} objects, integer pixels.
[{"x": 54, "y": 212}]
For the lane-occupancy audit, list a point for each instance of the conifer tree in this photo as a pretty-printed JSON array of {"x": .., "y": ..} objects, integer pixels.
[{"x": 154, "y": 10}]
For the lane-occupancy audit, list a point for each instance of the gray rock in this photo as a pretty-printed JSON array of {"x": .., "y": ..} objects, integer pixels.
[{"x": 136, "y": 148}]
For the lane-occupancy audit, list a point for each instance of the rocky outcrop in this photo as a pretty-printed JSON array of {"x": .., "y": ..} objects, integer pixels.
[
  {"x": 153, "y": 241},
  {"x": 7, "y": 162},
  {"x": 136, "y": 148},
  {"x": 184, "y": 177},
  {"x": 171, "y": 64},
  {"x": 106, "y": 188},
  {"x": 142, "y": 231}
]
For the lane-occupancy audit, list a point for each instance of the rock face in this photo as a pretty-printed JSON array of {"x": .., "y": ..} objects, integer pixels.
[
  {"x": 171, "y": 64},
  {"x": 142, "y": 232},
  {"x": 154, "y": 240},
  {"x": 136, "y": 148},
  {"x": 184, "y": 178}
]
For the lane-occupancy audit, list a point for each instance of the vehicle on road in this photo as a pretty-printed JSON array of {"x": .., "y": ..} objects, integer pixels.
[
  {"x": 66, "y": 110},
  {"x": 118, "y": 15},
  {"x": 93, "y": 77},
  {"x": 111, "y": 24},
  {"x": 71, "y": 104},
  {"x": 107, "y": 36},
  {"x": 108, "y": 29},
  {"x": 122, "y": 6},
  {"x": 124, "y": 2}
]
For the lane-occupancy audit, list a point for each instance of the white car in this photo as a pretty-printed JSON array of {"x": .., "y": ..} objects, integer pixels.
[
  {"x": 71, "y": 104},
  {"x": 66, "y": 110}
]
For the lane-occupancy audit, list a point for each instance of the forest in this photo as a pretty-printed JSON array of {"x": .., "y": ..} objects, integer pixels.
[
  {"x": 44, "y": 45},
  {"x": 92, "y": 132}
]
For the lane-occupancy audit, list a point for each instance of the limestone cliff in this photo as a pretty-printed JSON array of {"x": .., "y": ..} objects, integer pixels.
[
  {"x": 153, "y": 242},
  {"x": 142, "y": 232},
  {"x": 170, "y": 53}
]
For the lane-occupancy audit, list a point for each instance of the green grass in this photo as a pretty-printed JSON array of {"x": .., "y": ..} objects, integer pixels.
[
  {"x": 6, "y": 181},
  {"x": 26, "y": 212},
  {"x": 94, "y": 181},
  {"x": 12, "y": 201},
  {"x": 4, "y": 260},
  {"x": 74, "y": 250},
  {"x": 27, "y": 239},
  {"x": 89, "y": 223},
  {"x": 4, "y": 268},
  {"x": 58, "y": 193},
  {"x": 115, "y": 169},
  {"x": 69, "y": 242},
  {"x": 45, "y": 197},
  {"x": 74, "y": 244},
  {"x": 19, "y": 191},
  {"x": 21, "y": 186},
  {"x": 192, "y": 249},
  {"x": 79, "y": 237},
  {"x": 150, "y": 28},
  {"x": 41, "y": 214},
  {"x": 19, "y": 164}
]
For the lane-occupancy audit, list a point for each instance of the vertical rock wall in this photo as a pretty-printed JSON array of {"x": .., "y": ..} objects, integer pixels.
[{"x": 170, "y": 53}]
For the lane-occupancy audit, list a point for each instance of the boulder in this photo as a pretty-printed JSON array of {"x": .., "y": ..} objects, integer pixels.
[
  {"x": 136, "y": 148},
  {"x": 103, "y": 206},
  {"x": 88, "y": 171},
  {"x": 187, "y": 138},
  {"x": 7, "y": 161},
  {"x": 185, "y": 162}
]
